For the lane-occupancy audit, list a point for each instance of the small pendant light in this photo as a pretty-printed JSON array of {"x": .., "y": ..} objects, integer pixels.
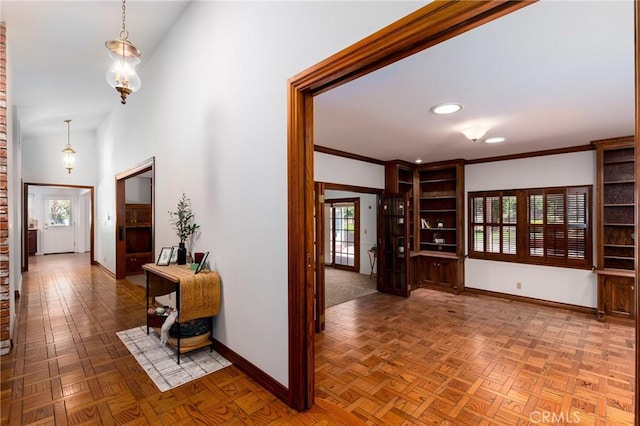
[
  {"x": 122, "y": 74},
  {"x": 68, "y": 152}
]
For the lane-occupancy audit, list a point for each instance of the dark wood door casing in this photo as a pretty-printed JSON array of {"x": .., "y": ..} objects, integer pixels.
[
  {"x": 319, "y": 260},
  {"x": 121, "y": 216}
]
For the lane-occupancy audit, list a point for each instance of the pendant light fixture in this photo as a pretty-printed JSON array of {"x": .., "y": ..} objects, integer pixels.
[
  {"x": 475, "y": 131},
  {"x": 68, "y": 152},
  {"x": 122, "y": 74}
]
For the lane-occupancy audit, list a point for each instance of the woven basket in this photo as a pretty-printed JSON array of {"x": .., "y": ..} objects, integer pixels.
[{"x": 190, "y": 341}]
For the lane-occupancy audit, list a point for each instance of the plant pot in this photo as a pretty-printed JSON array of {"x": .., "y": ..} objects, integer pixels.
[{"x": 182, "y": 255}]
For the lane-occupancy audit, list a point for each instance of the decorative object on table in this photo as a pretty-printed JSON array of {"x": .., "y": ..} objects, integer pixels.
[
  {"x": 202, "y": 263},
  {"x": 165, "y": 256},
  {"x": 374, "y": 250},
  {"x": 440, "y": 223},
  {"x": 174, "y": 255},
  {"x": 182, "y": 222},
  {"x": 197, "y": 257}
]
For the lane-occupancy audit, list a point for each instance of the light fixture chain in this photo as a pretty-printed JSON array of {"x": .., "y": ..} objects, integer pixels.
[{"x": 124, "y": 34}]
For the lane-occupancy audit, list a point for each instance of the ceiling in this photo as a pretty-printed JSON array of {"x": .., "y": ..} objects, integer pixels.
[
  {"x": 554, "y": 74},
  {"x": 58, "y": 60}
]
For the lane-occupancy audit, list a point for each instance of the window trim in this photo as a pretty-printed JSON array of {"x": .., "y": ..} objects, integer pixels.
[{"x": 522, "y": 254}]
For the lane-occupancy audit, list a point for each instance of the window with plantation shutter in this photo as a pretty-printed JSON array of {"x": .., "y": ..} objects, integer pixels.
[
  {"x": 493, "y": 224},
  {"x": 547, "y": 226},
  {"x": 577, "y": 225}
]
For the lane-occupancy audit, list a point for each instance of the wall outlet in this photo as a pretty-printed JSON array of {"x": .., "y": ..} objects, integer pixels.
[{"x": 519, "y": 285}]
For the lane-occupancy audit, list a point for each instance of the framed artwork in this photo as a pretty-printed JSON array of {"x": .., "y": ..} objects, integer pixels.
[
  {"x": 165, "y": 256},
  {"x": 202, "y": 262},
  {"x": 174, "y": 254}
]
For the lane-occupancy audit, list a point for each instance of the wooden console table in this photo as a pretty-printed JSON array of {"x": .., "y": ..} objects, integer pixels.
[{"x": 197, "y": 295}]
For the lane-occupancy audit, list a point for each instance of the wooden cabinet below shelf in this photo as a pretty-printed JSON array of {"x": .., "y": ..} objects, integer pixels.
[
  {"x": 33, "y": 242},
  {"x": 135, "y": 261},
  {"x": 616, "y": 294},
  {"x": 441, "y": 270},
  {"x": 138, "y": 214},
  {"x": 138, "y": 237}
]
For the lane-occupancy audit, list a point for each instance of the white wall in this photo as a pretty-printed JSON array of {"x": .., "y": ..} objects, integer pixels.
[
  {"x": 80, "y": 208},
  {"x": 137, "y": 190},
  {"x": 564, "y": 285},
  {"x": 368, "y": 223},
  {"x": 42, "y": 159},
  {"x": 334, "y": 169},
  {"x": 212, "y": 110}
]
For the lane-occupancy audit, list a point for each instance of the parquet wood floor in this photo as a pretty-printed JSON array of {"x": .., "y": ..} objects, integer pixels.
[
  {"x": 440, "y": 359},
  {"x": 434, "y": 359}
]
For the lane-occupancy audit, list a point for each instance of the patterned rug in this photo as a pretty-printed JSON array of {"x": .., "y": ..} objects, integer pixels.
[{"x": 160, "y": 362}]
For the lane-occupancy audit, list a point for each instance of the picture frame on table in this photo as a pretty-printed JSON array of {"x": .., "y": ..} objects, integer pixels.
[
  {"x": 202, "y": 263},
  {"x": 174, "y": 255},
  {"x": 165, "y": 256}
]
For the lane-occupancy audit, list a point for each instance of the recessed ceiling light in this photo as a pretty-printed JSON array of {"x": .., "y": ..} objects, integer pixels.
[
  {"x": 448, "y": 108},
  {"x": 418, "y": 160},
  {"x": 496, "y": 139}
]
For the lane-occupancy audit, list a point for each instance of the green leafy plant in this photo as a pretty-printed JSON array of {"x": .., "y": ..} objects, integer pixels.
[{"x": 182, "y": 219}]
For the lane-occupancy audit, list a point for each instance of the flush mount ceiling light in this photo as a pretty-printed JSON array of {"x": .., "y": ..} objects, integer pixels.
[
  {"x": 496, "y": 139},
  {"x": 446, "y": 108},
  {"x": 418, "y": 160},
  {"x": 475, "y": 131},
  {"x": 68, "y": 153},
  {"x": 122, "y": 74}
]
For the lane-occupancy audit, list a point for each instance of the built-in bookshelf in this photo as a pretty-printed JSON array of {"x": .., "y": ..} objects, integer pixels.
[
  {"x": 138, "y": 237},
  {"x": 436, "y": 231},
  {"x": 616, "y": 227},
  {"x": 439, "y": 209}
]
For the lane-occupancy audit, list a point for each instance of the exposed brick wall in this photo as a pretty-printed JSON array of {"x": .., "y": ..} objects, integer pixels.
[{"x": 5, "y": 299}]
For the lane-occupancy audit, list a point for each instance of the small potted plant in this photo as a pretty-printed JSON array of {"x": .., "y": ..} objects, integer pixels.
[
  {"x": 182, "y": 222},
  {"x": 440, "y": 223}
]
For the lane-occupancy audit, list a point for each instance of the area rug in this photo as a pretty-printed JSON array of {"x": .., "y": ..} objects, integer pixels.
[
  {"x": 343, "y": 286},
  {"x": 160, "y": 361}
]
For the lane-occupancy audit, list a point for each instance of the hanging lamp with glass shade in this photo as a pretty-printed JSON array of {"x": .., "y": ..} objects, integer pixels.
[
  {"x": 69, "y": 155},
  {"x": 122, "y": 74}
]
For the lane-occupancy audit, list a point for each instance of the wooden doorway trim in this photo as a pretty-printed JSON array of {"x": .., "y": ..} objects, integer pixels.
[
  {"x": 25, "y": 219},
  {"x": 319, "y": 320},
  {"x": 430, "y": 25},
  {"x": 143, "y": 167}
]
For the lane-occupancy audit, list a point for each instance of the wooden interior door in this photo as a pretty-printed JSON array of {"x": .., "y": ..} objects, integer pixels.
[{"x": 393, "y": 244}]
